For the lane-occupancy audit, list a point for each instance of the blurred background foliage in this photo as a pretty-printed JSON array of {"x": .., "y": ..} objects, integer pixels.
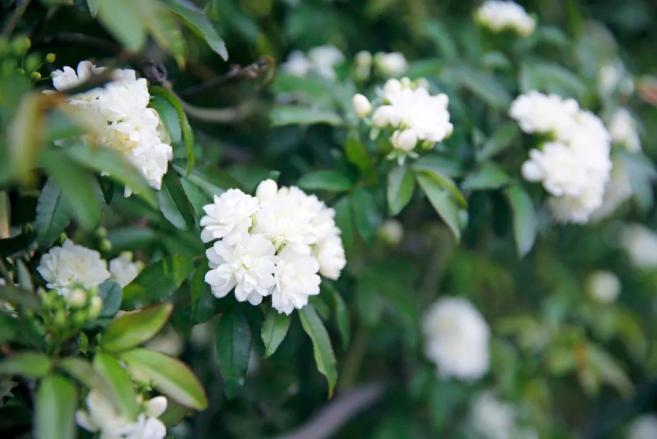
[{"x": 571, "y": 366}]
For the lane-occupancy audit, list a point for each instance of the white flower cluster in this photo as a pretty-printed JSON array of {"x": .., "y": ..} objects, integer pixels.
[
  {"x": 491, "y": 418},
  {"x": 414, "y": 115},
  {"x": 643, "y": 427},
  {"x": 386, "y": 64},
  {"x": 640, "y": 244},
  {"x": 613, "y": 78},
  {"x": 276, "y": 243},
  {"x": 623, "y": 130},
  {"x": 603, "y": 286},
  {"x": 574, "y": 166},
  {"x": 128, "y": 124},
  {"x": 74, "y": 266},
  {"x": 320, "y": 60},
  {"x": 505, "y": 15},
  {"x": 456, "y": 339},
  {"x": 618, "y": 190},
  {"x": 101, "y": 416}
]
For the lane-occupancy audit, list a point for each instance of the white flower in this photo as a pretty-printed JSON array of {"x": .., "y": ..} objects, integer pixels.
[
  {"x": 71, "y": 265},
  {"x": 391, "y": 231},
  {"x": 101, "y": 416},
  {"x": 456, "y": 339},
  {"x": 603, "y": 286},
  {"x": 404, "y": 140},
  {"x": 320, "y": 60},
  {"x": 297, "y": 64},
  {"x": 121, "y": 108},
  {"x": 363, "y": 64},
  {"x": 362, "y": 105},
  {"x": 643, "y": 427},
  {"x": 640, "y": 243},
  {"x": 123, "y": 270},
  {"x": 296, "y": 280},
  {"x": 330, "y": 256},
  {"x": 623, "y": 130},
  {"x": 390, "y": 64},
  {"x": 613, "y": 77},
  {"x": 618, "y": 191},
  {"x": 229, "y": 216},
  {"x": 247, "y": 266},
  {"x": 492, "y": 418},
  {"x": 501, "y": 15},
  {"x": 575, "y": 166}
]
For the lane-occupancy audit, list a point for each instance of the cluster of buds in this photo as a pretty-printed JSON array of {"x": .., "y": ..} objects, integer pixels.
[
  {"x": 385, "y": 64},
  {"x": 65, "y": 315}
]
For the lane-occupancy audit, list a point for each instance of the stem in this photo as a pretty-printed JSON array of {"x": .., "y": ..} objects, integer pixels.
[
  {"x": 353, "y": 360},
  {"x": 10, "y": 25}
]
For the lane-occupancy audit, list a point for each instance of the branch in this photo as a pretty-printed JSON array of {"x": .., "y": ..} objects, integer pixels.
[
  {"x": 218, "y": 115},
  {"x": 337, "y": 413},
  {"x": 250, "y": 71}
]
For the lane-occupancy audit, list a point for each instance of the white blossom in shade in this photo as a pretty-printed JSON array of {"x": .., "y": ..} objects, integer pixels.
[
  {"x": 362, "y": 105},
  {"x": 296, "y": 280},
  {"x": 623, "y": 130},
  {"x": 69, "y": 266},
  {"x": 643, "y": 427},
  {"x": 558, "y": 167},
  {"x": 505, "y": 15},
  {"x": 390, "y": 64},
  {"x": 123, "y": 269},
  {"x": 391, "y": 232},
  {"x": 491, "y": 418},
  {"x": 320, "y": 60},
  {"x": 456, "y": 339},
  {"x": 363, "y": 64},
  {"x": 128, "y": 124},
  {"x": 640, "y": 244},
  {"x": 297, "y": 64},
  {"x": 603, "y": 286},
  {"x": 618, "y": 191},
  {"x": 613, "y": 77},
  {"x": 229, "y": 216},
  {"x": 101, "y": 416},
  {"x": 330, "y": 256},
  {"x": 536, "y": 112},
  {"x": 247, "y": 266}
]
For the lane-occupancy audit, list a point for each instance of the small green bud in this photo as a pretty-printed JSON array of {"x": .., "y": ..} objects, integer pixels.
[
  {"x": 96, "y": 307},
  {"x": 105, "y": 245},
  {"x": 60, "y": 318},
  {"x": 35, "y": 76},
  {"x": 101, "y": 232},
  {"x": 77, "y": 298},
  {"x": 51, "y": 57},
  {"x": 21, "y": 45}
]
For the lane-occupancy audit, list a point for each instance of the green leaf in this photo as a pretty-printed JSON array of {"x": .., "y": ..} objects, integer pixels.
[
  {"x": 366, "y": 215},
  {"x": 439, "y": 165},
  {"x": 116, "y": 165},
  {"x": 124, "y": 21},
  {"x": 444, "y": 182},
  {"x": 332, "y": 181},
  {"x": 401, "y": 185},
  {"x": 298, "y": 115},
  {"x": 502, "y": 138},
  {"x": 202, "y": 301},
  {"x": 341, "y": 312},
  {"x": 169, "y": 117},
  {"x": 274, "y": 330},
  {"x": 525, "y": 224},
  {"x": 27, "y": 364},
  {"x": 119, "y": 383},
  {"x": 79, "y": 188},
  {"x": 443, "y": 202},
  {"x": 52, "y": 214},
  {"x": 233, "y": 349},
  {"x": 483, "y": 85},
  {"x": 110, "y": 293},
  {"x": 162, "y": 25},
  {"x": 82, "y": 371},
  {"x": 135, "y": 327},
  {"x": 159, "y": 279},
  {"x": 356, "y": 151},
  {"x": 54, "y": 414},
  {"x": 174, "y": 204},
  {"x": 551, "y": 78},
  {"x": 489, "y": 176},
  {"x": 25, "y": 136},
  {"x": 185, "y": 127},
  {"x": 322, "y": 349},
  {"x": 199, "y": 23},
  {"x": 441, "y": 38},
  {"x": 169, "y": 376}
]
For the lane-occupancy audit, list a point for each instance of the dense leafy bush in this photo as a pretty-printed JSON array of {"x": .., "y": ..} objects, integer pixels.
[{"x": 313, "y": 218}]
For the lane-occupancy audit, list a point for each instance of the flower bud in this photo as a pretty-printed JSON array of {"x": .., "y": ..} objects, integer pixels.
[
  {"x": 51, "y": 57},
  {"x": 77, "y": 298},
  {"x": 96, "y": 306},
  {"x": 105, "y": 245},
  {"x": 391, "y": 87},
  {"x": 267, "y": 190},
  {"x": 404, "y": 140},
  {"x": 603, "y": 286},
  {"x": 156, "y": 406},
  {"x": 362, "y": 105},
  {"x": 391, "y": 232},
  {"x": 382, "y": 116}
]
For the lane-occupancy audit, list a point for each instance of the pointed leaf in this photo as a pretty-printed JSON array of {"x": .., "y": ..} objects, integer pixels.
[
  {"x": 52, "y": 214},
  {"x": 27, "y": 364},
  {"x": 200, "y": 24},
  {"x": 322, "y": 349},
  {"x": 401, "y": 185},
  {"x": 525, "y": 224},
  {"x": 135, "y": 327},
  {"x": 233, "y": 349},
  {"x": 124, "y": 22},
  {"x": 123, "y": 393},
  {"x": 274, "y": 330},
  {"x": 443, "y": 202},
  {"x": 54, "y": 416},
  {"x": 174, "y": 204},
  {"x": 333, "y": 181},
  {"x": 489, "y": 176}
]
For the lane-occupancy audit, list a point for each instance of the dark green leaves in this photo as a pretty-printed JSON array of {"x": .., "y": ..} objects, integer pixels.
[
  {"x": 199, "y": 23},
  {"x": 401, "y": 185},
  {"x": 136, "y": 327},
  {"x": 444, "y": 196},
  {"x": 159, "y": 279},
  {"x": 482, "y": 85},
  {"x": 27, "y": 364},
  {"x": 274, "y": 330},
  {"x": 233, "y": 349},
  {"x": 489, "y": 176},
  {"x": 322, "y": 349},
  {"x": 56, "y": 401},
  {"x": 119, "y": 383},
  {"x": 123, "y": 21},
  {"x": 185, "y": 128},
  {"x": 501, "y": 139},
  {"x": 298, "y": 115},
  {"x": 52, "y": 215},
  {"x": 333, "y": 181},
  {"x": 524, "y": 218},
  {"x": 174, "y": 204},
  {"x": 168, "y": 375}
]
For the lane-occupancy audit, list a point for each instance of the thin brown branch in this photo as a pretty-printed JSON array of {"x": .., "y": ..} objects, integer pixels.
[{"x": 235, "y": 72}]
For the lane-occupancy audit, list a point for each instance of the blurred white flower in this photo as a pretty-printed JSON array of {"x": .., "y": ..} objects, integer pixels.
[
  {"x": 603, "y": 286},
  {"x": 363, "y": 64},
  {"x": 320, "y": 60},
  {"x": 505, "y": 15},
  {"x": 129, "y": 126},
  {"x": 613, "y": 77},
  {"x": 574, "y": 167},
  {"x": 456, "y": 339},
  {"x": 390, "y": 64},
  {"x": 101, "y": 416},
  {"x": 123, "y": 269},
  {"x": 640, "y": 244},
  {"x": 643, "y": 427},
  {"x": 71, "y": 265},
  {"x": 491, "y": 418},
  {"x": 618, "y": 191},
  {"x": 623, "y": 130},
  {"x": 229, "y": 216},
  {"x": 362, "y": 105},
  {"x": 170, "y": 343},
  {"x": 391, "y": 231},
  {"x": 276, "y": 243}
]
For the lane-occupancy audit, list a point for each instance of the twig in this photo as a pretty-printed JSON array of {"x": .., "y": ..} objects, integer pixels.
[
  {"x": 235, "y": 72},
  {"x": 335, "y": 414},
  {"x": 217, "y": 115},
  {"x": 13, "y": 20}
]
